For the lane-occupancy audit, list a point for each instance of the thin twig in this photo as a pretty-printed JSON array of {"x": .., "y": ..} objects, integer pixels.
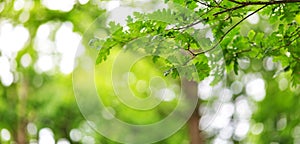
[
  {"x": 242, "y": 51},
  {"x": 295, "y": 33},
  {"x": 194, "y": 23},
  {"x": 216, "y": 5},
  {"x": 297, "y": 58},
  {"x": 203, "y": 3},
  {"x": 286, "y": 45},
  {"x": 189, "y": 25},
  {"x": 230, "y": 9},
  {"x": 189, "y": 49}
]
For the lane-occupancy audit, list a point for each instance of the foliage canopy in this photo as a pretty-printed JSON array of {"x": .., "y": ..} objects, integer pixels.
[{"x": 187, "y": 24}]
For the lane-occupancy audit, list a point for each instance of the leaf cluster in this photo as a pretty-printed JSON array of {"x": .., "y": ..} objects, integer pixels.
[{"x": 175, "y": 31}]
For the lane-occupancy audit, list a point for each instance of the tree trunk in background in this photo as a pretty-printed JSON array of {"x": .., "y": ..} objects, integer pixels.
[
  {"x": 191, "y": 88},
  {"x": 22, "y": 120},
  {"x": 21, "y": 133}
]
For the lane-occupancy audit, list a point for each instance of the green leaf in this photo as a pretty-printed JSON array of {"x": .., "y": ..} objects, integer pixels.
[{"x": 251, "y": 35}]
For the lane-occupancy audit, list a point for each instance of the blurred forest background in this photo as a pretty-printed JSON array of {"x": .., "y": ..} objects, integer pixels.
[{"x": 38, "y": 42}]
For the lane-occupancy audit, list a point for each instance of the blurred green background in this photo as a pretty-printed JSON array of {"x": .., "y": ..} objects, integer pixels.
[{"x": 38, "y": 42}]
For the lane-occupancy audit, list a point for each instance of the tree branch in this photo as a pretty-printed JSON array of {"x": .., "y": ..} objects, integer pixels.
[
  {"x": 229, "y": 9},
  {"x": 228, "y": 31},
  {"x": 244, "y": 4},
  {"x": 194, "y": 55},
  {"x": 240, "y": 5},
  {"x": 265, "y": 2}
]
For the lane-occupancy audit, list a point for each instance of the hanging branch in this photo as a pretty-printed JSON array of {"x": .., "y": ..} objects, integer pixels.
[
  {"x": 222, "y": 38},
  {"x": 228, "y": 31},
  {"x": 241, "y": 5}
]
